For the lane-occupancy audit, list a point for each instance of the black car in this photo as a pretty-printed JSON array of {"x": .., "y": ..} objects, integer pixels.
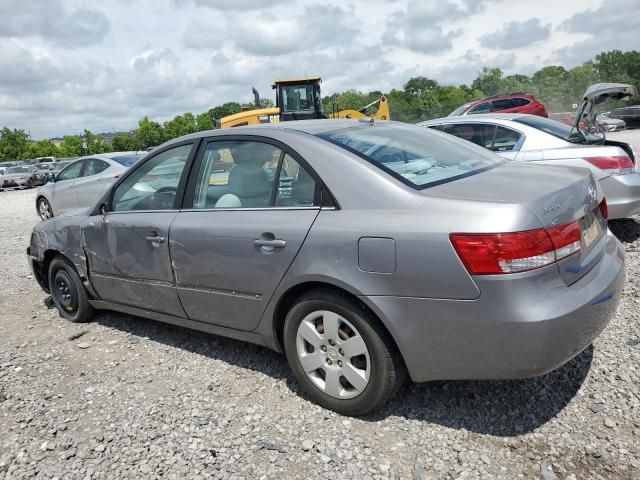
[{"x": 630, "y": 115}]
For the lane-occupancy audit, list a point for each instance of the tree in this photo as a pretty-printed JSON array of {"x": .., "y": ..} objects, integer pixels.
[
  {"x": 149, "y": 133},
  {"x": 419, "y": 85},
  {"x": 617, "y": 66},
  {"x": 13, "y": 144},
  {"x": 552, "y": 88},
  {"x": 204, "y": 121},
  {"x": 93, "y": 144},
  {"x": 224, "y": 110},
  {"x": 488, "y": 81},
  {"x": 124, "y": 142},
  {"x": 71, "y": 146},
  {"x": 42, "y": 148}
]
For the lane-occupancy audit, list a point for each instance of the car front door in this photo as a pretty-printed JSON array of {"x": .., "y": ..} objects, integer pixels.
[
  {"x": 128, "y": 246},
  {"x": 247, "y": 212},
  {"x": 64, "y": 194}
]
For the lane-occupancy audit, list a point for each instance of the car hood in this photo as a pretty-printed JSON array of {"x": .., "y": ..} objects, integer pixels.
[{"x": 597, "y": 94}]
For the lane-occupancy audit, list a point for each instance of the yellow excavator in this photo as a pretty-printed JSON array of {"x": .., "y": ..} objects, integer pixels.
[{"x": 299, "y": 99}]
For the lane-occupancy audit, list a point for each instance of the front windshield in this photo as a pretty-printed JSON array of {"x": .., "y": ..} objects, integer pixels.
[
  {"x": 459, "y": 110},
  {"x": 558, "y": 129},
  {"x": 60, "y": 165},
  {"x": 416, "y": 156},
  {"x": 297, "y": 97},
  {"x": 127, "y": 160},
  {"x": 17, "y": 170}
]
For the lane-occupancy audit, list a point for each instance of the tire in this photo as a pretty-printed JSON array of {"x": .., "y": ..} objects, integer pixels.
[
  {"x": 44, "y": 209},
  {"x": 63, "y": 281},
  {"x": 380, "y": 369},
  {"x": 29, "y": 184}
]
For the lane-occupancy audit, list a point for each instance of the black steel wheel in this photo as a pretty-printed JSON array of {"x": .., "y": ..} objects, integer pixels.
[{"x": 68, "y": 292}]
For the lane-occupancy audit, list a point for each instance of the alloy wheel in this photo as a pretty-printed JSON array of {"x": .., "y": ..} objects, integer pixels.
[
  {"x": 44, "y": 209},
  {"x": 333, "y": 354}
]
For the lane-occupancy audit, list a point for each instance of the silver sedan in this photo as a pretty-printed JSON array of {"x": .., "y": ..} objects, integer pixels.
[
  {"x": 530, "y": 138},
  {"x": 81, "y": 183},
  {"x": 367, "y": 252}
]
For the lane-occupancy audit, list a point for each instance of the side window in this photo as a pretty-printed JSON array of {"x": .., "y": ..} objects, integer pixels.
[
  {"x": 71, "y": 172},
  {"x": 154, "y": 185},
  {"x": 503, "y": 104},
  {"x": 478, "y": 133},
  {"x": 296, "y": 187},
  {"x": 236, "y": 174},
  {"x": 94, "y": 166},
  {"x": 481, "y": 108},
  {"x": 506, "y": 140},
  {"x": 519, "y": 102}
]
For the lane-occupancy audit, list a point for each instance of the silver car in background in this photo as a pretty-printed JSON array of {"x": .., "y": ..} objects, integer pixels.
[
  {"x": 81, "y": 183},
  {"x": 530, "y": 138},
  {"x": 365, "y": 251}
]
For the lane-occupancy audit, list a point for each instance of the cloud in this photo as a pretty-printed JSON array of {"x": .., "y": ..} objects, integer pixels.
[
  {"x": 267, "y": 34},
  {"x": 238, "y": 5},
  {"x": 50, "y": 20},
  {"x": 419, "y": 27},
  {"x": 517, "y": 35},
  {"x": 609, "y": 27}
]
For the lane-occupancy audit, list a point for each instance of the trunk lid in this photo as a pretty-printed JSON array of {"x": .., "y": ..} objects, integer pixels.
[{"x": 556, "y": 195}]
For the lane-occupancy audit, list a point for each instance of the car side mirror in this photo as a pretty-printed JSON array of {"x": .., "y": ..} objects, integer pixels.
[{"x": 51, "y": 177}]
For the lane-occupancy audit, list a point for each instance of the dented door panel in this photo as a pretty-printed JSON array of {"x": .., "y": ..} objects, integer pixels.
[{"x": 129, "y": 262}]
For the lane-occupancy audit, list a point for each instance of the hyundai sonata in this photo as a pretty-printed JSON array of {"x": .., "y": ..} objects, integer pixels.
[{"x": 366, "y": 252}]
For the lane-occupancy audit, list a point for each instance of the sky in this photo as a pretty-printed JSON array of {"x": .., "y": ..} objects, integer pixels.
[{"x": 66, "y": 65}]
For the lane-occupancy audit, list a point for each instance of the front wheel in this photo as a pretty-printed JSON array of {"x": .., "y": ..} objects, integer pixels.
[
  {"x": 44, "y": 209},
  {"x": 340, "y": 354},
  {"x": 68, "y": 292},
  {"x": 29, "y": 184}
]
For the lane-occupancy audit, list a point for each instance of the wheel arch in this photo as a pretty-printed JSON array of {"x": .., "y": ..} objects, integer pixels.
[{"x": 294, "y": 292}]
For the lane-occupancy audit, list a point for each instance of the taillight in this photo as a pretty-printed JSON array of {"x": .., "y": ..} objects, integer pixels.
[
  {"x": 604, "y": 209},
  {"x": 619, "y": 165},
  {"x": 498, "y": 253}
]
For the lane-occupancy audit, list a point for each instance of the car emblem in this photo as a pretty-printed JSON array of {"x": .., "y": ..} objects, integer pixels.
[
  {"x": 550, "y": 208},
  {"x": 593, "y": 193}
]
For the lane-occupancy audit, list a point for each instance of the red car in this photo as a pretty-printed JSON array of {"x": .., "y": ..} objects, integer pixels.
[{"x": 512, "y": 103}]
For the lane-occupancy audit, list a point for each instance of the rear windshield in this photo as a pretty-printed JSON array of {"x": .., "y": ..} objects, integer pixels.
[
  {"x": 127, "y": 160},
  {"x": 459, "y": 110},
  {"x": 416, "y": 156},
  {"x": 558, "y": 129}
]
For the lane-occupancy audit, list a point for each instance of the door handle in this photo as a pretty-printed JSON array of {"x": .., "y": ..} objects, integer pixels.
[
  {"x": 155, "y": 239},
  {"x": 260, "y": 242}
]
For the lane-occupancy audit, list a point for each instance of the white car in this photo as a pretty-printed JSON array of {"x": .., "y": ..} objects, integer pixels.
[{"x": 82, "y": 183}]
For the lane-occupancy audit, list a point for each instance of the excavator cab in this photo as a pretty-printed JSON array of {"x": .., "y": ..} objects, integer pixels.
[{"x": 299, "y": 99}]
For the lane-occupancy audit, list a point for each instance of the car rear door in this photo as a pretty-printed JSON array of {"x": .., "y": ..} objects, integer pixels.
[
  {"x": 91, "y": 186},
  {"x": 64, "y": 195},
  {"x": 127, "y": 248},
  {"x": 249, "y": 206}
]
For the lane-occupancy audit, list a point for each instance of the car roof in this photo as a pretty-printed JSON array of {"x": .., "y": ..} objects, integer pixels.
[
  {"x": 481, "y": 117},
  {"x": 312, "y": 127}
]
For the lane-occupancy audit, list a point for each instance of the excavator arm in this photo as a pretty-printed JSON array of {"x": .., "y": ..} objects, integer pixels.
[{"x": 382, "y": 113}]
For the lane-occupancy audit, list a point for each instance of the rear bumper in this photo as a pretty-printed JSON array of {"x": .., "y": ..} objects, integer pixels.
[
  {"x": 519, "y": 327},
  {"x": 623, "y": 195}
]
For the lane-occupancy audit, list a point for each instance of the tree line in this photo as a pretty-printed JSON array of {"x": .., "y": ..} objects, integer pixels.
[{"x": 420, "y": 98}]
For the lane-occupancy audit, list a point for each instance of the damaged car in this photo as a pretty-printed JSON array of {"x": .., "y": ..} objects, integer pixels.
[{"x": 436, "y": 264}]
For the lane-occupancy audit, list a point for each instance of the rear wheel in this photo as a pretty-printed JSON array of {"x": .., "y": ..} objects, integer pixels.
[
  {"x": 44, "y": 209},
  {"x": 340, "y": 354},
  {"x": 67, "y": 291}
]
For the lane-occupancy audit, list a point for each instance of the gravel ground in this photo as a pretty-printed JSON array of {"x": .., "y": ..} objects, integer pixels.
[{"x": 125, "y": 397}]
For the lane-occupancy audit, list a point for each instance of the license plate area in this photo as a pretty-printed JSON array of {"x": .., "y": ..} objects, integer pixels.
[{"x": 592, "y": 231}]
